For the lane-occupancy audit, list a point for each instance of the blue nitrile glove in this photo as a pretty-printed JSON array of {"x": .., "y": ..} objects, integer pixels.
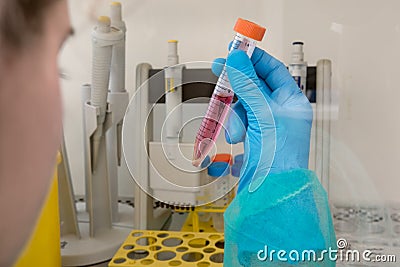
[
  {"x": 288, "y": 211},
  {"x": 273, "y": 117}
]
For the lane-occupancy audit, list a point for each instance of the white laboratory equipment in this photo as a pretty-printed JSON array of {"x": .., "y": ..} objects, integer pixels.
[
  {"x": 323, "y": 119},
  {"x": 91, "y": 234},
  {"x": 298, "y": 67},
  {"x": 173, "y": 100},
  {"x": 157, "y": 164},
  {"x": 220, "y": 172},
  {"x": 118, "y": 99},
  {"x": 158, "y": 144},
  {"x": 319, "y": 85}
]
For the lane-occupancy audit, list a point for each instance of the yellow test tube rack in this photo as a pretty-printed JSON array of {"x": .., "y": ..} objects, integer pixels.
[{"x": 168, "y": 248}]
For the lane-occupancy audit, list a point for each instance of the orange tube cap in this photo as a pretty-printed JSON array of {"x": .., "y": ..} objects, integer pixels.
[
  {"x": 222, "y": 158},
  {"x": 249, "y": 29}
]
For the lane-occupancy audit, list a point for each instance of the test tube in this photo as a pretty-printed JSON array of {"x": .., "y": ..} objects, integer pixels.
[{"x": 247, "y": 35}]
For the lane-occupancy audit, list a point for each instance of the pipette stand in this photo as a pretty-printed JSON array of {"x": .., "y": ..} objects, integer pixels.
[
  {"x": 97, "y": 238},
  {"x": 146, "y": 217},
  {"x": 118, "y": 102},
  {"x": 92, "y": 234}
]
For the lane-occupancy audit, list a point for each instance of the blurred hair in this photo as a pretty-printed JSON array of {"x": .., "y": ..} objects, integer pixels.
[{"x": 21, "y": 20}]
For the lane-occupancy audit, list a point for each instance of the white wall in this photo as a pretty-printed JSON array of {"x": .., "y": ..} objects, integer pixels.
[{"x": 362, "y": 38}]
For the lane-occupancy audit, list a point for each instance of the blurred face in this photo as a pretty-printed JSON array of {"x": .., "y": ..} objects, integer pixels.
[{"x": 30, "y": 128}]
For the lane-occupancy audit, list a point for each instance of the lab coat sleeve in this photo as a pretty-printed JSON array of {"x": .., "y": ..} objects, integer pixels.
[{"x": 288, "y": 212}]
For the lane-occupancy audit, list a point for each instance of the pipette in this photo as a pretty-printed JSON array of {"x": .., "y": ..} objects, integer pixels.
[
  {"x": 298, "y": 67},
  {"x": 247, "y": 35}
]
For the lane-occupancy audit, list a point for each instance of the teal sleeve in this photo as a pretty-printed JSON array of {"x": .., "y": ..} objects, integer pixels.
[{"x": 289, "y": 212}]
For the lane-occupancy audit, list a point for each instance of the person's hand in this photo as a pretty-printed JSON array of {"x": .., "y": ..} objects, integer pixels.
[{"x": 272, "y": 117}]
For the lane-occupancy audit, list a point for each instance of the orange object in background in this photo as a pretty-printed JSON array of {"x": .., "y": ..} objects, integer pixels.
[{"x": 223, "y": 157}]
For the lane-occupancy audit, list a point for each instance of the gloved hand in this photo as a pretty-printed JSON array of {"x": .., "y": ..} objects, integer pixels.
[
  {"x": 272, "y": 117},
  {"x": 289, "y": 210}
]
